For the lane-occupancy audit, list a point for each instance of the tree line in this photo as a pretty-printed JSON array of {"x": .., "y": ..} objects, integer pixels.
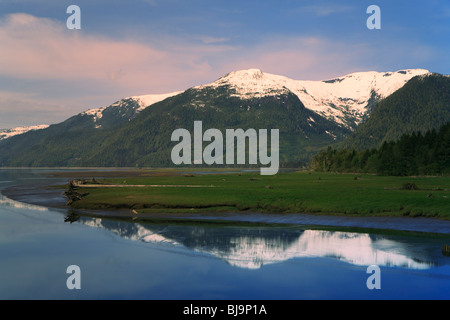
[{"x": 412, "y": 154}]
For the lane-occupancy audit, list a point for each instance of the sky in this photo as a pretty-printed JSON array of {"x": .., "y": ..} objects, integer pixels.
[{"x": 124, "y": 48}]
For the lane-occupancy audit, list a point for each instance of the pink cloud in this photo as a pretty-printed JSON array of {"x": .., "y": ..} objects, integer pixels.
[
  {"x": 40, "y": 48},
  {"x": 301, "y": 58}
]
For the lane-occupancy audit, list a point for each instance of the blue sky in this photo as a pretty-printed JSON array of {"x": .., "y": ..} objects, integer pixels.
[{"x": 49, "y": 73}]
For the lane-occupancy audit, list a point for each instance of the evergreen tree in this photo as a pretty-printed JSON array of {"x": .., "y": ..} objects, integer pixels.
[{"x": 412, "y": 154}]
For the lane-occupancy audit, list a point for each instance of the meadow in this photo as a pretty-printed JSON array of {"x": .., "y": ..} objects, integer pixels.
[{"x": 292, "y": 192}]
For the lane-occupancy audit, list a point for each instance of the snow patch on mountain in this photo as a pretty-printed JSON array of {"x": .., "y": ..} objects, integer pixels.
[
  {"x": 252, "y": 83},
  {"x": 8, "y": 133},
  {"x": 349, "y": 96},
  {"x": 147, "y": 100},
  {"x": 96, "y": 114}
]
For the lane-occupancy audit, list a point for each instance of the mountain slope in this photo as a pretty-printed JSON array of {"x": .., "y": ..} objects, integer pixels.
[
  {"x": 119, "y": 112},
  {"x": 147, "y": 140},
  {"x": 422, "y": 104},
  {"x": 67, "y": 143}
]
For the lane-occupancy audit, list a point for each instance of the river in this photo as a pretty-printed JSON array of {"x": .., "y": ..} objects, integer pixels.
[{"x": 167, "y": 261}]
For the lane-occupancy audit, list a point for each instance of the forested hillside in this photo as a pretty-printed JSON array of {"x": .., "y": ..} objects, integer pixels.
[
  {"x": 422, "y": 104},
  {"x": 412, "y": 154}
]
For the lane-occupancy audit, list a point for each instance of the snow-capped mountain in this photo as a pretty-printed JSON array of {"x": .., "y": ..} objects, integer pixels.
[
  {"x": 8, "y": 133},
  {"x": 344, "y": 100},
  {"x": 126, "y": 108},
  {"x": 122, "y": 110}
]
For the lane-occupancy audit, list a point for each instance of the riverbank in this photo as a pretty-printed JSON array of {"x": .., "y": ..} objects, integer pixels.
[{"x": 244, "y": 197}]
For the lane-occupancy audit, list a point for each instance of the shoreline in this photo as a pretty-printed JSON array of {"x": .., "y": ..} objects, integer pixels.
[{"x": 45, "y": 196}]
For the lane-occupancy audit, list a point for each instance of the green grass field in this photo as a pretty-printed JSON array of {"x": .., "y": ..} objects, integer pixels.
[{"x": 295, "y": 192}]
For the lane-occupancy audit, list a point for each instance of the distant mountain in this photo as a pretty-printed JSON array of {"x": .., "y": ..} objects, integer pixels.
[
  {"x": 422, "y": 104},
  {"x": 136, "y": 131},
  {"x": 121, "y": 111},
  {"x": 8, "y": 133},
  {"x": 105, "y": 117},
  {"x": 67, "y": 143}
]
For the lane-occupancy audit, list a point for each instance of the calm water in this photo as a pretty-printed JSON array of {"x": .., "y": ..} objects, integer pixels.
[{"x": 120, "y": 260}]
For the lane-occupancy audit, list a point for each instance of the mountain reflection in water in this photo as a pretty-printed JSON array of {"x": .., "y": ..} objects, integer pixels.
[
  {"x": 253, "y": 247},
  {"x": 6, "y": 202}
]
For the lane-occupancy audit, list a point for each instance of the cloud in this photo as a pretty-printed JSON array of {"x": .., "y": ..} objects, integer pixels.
[
  {"x": 43, "y": 49},
  {"x": 301, "y": 58},
  {"x": 324, "y": 10},
  {"x": 23, "y": 109},
  {"x": 211, "y": 40},
  {"x": 40, "y": 48},
  {"x": 46, "y": 66}
]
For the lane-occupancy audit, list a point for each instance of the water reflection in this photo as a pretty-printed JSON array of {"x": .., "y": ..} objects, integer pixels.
[
  {"x": 9, "y": 203},
  {"x": 71, "y": 217},
  {"x": 252, "y": 248}
]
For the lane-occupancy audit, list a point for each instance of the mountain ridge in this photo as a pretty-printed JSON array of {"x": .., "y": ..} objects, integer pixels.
[
  {"x": 135, "y": 131},
  {"x": 298, "y": 87}
]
